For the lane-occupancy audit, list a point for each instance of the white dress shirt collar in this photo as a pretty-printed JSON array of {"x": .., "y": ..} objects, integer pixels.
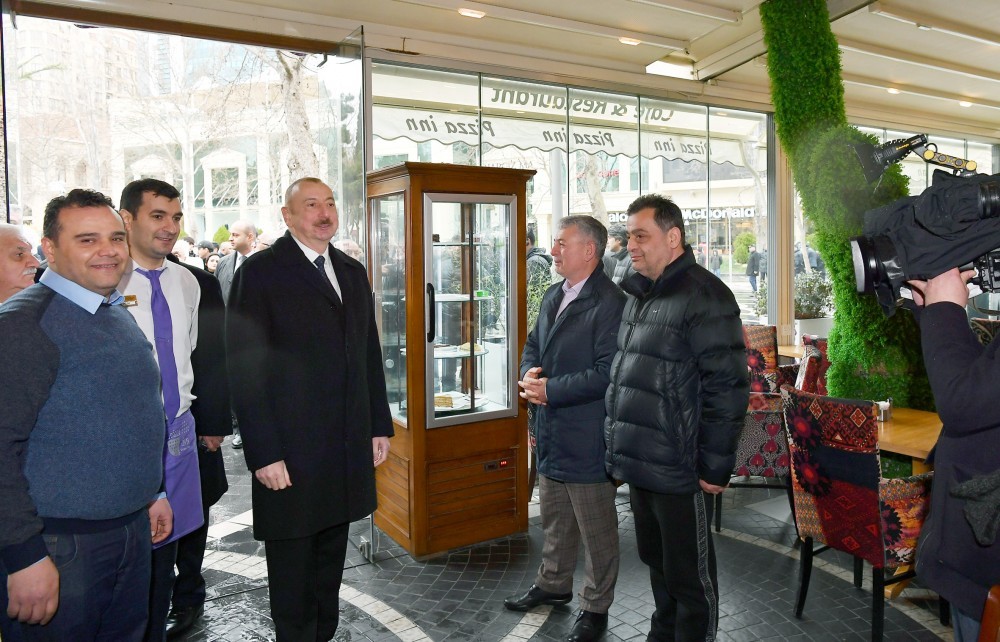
[{"x": 311, "y": 254}]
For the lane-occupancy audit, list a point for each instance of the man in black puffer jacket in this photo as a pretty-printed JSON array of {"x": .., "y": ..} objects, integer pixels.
[{"x": 678, "y": 395}]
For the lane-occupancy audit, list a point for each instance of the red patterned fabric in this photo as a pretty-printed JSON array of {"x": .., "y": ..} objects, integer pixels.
[
  {"x": 763, "y": 447},
  {"x": 762, "y": 357},
  {"x": 807, "y": 374},
  {"x": 762, "y": 346},
  {"x": 904, "y": 503},
  {"x": 840, "y": 497},
  {"x": 813, "y": 345}
]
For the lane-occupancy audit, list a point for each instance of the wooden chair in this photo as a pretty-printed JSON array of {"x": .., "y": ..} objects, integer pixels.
[
  {"x": 989, "y": 630},
  {"x": 842, "y": 501}
]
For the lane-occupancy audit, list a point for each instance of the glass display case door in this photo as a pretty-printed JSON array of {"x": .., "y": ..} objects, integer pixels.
[
  {"x": 470, "y": 313},
  {"x": 388, "y": 216}
]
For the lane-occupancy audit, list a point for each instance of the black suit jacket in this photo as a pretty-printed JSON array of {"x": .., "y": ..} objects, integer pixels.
[
  {"x": 308, "y": 387},
  {"x": 224, "y": 272},
  {"x": 211, "y": 410}
]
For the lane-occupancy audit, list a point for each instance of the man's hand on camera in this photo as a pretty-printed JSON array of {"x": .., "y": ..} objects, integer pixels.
[{"x": 950, "y": 286}]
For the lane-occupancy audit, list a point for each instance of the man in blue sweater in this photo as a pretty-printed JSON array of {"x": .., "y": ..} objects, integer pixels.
[{"x": 80, "y": 468}]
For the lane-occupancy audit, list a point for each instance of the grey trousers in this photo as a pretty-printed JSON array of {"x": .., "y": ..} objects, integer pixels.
[{"x": 571, "y": 513}]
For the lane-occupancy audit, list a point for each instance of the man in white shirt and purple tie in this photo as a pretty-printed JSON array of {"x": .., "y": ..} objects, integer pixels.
[{"x": 163, "y": 297}]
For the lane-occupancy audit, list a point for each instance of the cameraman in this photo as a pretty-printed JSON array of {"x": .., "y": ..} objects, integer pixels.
[{"x": 963, "y": 376}]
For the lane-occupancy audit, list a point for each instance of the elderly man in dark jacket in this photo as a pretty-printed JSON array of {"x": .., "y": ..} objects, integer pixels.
[
  {"x": 564, "y": 369},
  {"x": 957, "y": 560},
  {"x": 678, "y": 395}
]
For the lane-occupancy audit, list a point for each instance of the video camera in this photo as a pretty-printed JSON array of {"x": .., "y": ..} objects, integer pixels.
[{"x": 953, "y": 223}]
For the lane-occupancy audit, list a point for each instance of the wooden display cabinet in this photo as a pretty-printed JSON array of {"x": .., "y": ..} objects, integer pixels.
[{"x": 448, "y": 275}]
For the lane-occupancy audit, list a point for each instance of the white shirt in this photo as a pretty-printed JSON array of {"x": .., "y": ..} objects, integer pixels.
[
  {"x": 311, "y": 254},
  {"x": 570, "y": 294},
  {"x": 183, "y": 294}
]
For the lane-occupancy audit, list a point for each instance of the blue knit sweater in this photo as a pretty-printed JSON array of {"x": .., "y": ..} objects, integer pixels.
[{"x": 81, "y": 427}]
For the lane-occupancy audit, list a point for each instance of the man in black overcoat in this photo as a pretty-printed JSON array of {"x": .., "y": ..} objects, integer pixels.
[
  {"x": 213, "y": 422},
  {"x": 305, "y": 371}
]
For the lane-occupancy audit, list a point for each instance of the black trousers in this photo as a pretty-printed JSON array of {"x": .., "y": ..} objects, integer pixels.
[
  {"x": 303, "y": 577},
  {"x": 675, "y": 542},
  {"x": 189, "y": 589},
  {"x": 161, "y": 586}
]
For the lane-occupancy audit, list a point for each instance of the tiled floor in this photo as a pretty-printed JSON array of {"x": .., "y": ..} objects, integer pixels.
[{"x": 460, "y": 596}]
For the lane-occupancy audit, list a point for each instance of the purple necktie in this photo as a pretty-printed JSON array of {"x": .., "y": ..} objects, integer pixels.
[{"x": 163, "y": 332}]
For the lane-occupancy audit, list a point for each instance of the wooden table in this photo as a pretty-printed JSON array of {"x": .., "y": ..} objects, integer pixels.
[
  {"x": 790, "y": 351},
  {"x": 910, "y": 432}
]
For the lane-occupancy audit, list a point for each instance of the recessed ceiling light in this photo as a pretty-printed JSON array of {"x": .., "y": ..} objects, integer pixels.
[
  {"x": 923, "y": 27},
  {"x": 632, "y": 42},
  {"x": 892, "y": 90},
  {"x": 471, "y": 13},
  {"x": 964, "y": 103}
]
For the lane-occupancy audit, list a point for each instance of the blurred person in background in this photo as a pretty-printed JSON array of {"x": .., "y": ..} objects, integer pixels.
[{"x": 17, "y": 264}]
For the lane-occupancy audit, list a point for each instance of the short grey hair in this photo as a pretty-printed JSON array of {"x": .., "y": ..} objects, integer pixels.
[
  {"x": 591, "y": 228},
  {"x": 13, "y": 231}
]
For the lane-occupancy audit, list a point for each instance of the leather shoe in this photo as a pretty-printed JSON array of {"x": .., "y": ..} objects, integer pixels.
[
  {"x": 180, "y": 620},
  {"x": 589, "y": 626},
  {"x": 536, "y": 597}
]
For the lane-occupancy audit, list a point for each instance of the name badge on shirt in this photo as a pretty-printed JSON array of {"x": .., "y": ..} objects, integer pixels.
[{"x": 130, "y": 301}]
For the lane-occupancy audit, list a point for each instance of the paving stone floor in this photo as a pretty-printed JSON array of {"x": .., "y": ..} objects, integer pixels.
[{"x": 459, "y": 596}]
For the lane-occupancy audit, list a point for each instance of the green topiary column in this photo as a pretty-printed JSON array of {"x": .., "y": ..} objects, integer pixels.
[{"x": 872, "y": 357}]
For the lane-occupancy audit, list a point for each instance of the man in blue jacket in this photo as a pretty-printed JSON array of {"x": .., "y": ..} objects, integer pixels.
[
  {"x": 564, "y": 370},
  {"x": 678, "y": 395}
]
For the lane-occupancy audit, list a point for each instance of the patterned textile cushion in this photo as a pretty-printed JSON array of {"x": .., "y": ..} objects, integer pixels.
[
  {"x": 807, "y": 374},
  {"x": 763, "y": 447},
  {"x": 787, "y": 374},
  {"x": 985, "y": 329},
  {"x": 764, "y": 381},
  {"x": 813, "y": 345},
  {"x": 835, "y": 472},
  {"x": 904, "y": 503},
  {"x": 761, "y": 346}
]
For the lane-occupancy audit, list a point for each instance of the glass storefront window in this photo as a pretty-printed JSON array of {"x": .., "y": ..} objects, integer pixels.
[
  {"x": 424, "y": 115},
  {"x": 98, "y": 108},
  {"x": 594, "y": 151},
  {"x": 674, "y": 142},
  {"x": 527, "y": 130},
  {"x": 737, "y": 200},
  {"x": 603, "y": 137}
]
